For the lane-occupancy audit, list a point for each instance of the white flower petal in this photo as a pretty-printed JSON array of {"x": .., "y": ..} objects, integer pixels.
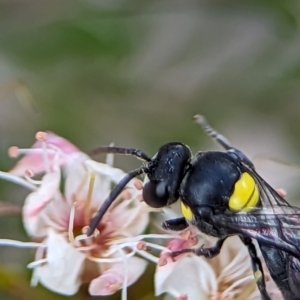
[
  {"x": 38, "y": 202},
  {"x": 190, "y": 275},
  {"x": 35, "y": 161},
  {"x": 130, "y": 217},
  {"x": 75, "y": 173},
  {"x": 64, "y": 266},
  {"x": 114, "y": 174},
  {"x": 113, "y": 278},
  {"x": 78, "y": 177}
]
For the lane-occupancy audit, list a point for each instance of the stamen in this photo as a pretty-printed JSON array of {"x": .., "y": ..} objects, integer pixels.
[
  {"x": 71, "y": 224},
  {"x": 58, "y": 153},
  {"x": 89, "y": 197},
  {"x": 232, "y": 289},
  {"x": 142, "y": 245},
  {"x": 13, "y": 152},
  {"x": 133, "y": 240},
  {"x": 124, "y": 287},
  {"x": 83, "y": 238},
  {"x": 37, "y": 263},
  {"x": 151, "y": 246},
  {"x": 29, "y": 174},
  {"x": 18, "y": 180},
  {"x": 42, "y": 137},
  {"x": 148, "y": 256},
  {"x": 35, "y": 276},
  {"x": 21, "y": 151},
  {"x": 6, "y": 208},
  {"x": 156, "y": 236},
  {"x": 110, "y": 260},
  {"x": 19, "y": 244}
]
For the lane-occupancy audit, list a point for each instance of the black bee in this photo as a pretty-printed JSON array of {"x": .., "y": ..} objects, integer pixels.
[{"x": 222, "y": 195}]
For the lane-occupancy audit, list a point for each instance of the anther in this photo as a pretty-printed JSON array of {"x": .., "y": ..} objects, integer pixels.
[
  {"x": 29, "y": 173},
  {"x": 13, "y": 151},
  {"x": 41, "y": 136},
  {"x": 142, "y": 245},
  {"x": 138, "y": 184}
]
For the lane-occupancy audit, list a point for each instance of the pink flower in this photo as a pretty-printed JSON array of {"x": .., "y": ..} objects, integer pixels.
[
  {"x": 58, "y": 221},
  {"x": 227, "y": 276}
]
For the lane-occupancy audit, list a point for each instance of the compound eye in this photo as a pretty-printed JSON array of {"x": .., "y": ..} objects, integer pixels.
[{"x": 155, "y": 194}]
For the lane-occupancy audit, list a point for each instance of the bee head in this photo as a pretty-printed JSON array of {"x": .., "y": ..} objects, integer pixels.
[{"x": 165, "y": 173}]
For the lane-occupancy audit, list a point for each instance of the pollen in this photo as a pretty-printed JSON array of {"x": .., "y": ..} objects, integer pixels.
[
  {"x": 13, "y": 152},
  {"x": 41, "y": 136}
]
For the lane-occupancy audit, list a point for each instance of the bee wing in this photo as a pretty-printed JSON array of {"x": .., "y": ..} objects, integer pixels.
[
  {"x": 268, "y": 196},
  {"x": 276, "y": 223},
  {"x": 275, "y": 226}
]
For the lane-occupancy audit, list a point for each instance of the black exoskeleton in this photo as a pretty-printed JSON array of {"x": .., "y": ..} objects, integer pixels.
[{"x": 222, "y": 195}]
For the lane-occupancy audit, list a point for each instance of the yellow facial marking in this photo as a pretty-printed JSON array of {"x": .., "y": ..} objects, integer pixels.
[
  {"x": 186, "y": 211},
  {"x": 245, "y": 196}
]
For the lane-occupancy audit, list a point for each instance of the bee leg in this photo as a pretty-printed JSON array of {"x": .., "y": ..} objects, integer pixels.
[
  {"x": 257, "y": 267},
  {"x": 206, "y": 252},
  {"x": 175, "y": 224}
]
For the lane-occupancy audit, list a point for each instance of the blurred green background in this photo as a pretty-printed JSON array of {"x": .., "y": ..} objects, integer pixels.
[{"x": 134, "y": 73}]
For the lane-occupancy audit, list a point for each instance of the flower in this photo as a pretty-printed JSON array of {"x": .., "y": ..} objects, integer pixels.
[
  {"x": 58, "y": 221},
  {"x": 224, "y": 277}
]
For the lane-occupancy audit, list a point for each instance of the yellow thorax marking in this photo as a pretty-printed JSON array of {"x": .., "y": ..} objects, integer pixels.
[
  {"x": 245, "y": 196},
  {"x": 186, "y": 211}
]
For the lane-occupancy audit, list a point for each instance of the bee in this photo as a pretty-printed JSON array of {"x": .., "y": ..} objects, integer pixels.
[{"x": 222, "y": 195}]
